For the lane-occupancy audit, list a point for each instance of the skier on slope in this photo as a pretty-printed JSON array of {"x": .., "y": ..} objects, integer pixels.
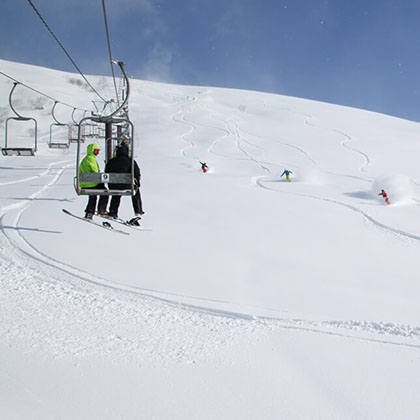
[
  {"x": 90, "y": 164},
  {"x": 287, "y": 173},
  {"x": 204, "y": 167},
  {"x": 385, "y": 196},
  {"x": 121, "y": 163}
]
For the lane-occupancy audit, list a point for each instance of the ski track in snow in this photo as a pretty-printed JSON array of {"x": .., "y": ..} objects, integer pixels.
[
  {"x": 259, "y": 180},
  {"x": 387, "y": 228},
  {"x": 283, "y": 142},
  {"x": 347, "y": 138},
  {"x": 67, "y": 312},
  {"x": 45, "y": 172},
  {"x": 406, "y": 235},
  {"x": 78, "y": 314},
  {"x": 234, "y": 130},
  {"x": 191, "y": 126}
]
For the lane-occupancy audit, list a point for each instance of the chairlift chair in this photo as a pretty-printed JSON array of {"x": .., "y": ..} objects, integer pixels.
[
  {"x": 56, "y": 144},
  {"x": 18, "y": 151},
  {"x": 106, "y": 178},
  {"x": 114, "y": 136},
  {"x": 73, "y": 133}
]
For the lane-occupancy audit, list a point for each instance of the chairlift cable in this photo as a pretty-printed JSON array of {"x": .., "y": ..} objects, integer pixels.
[
  {"x": 62, "y": 47},
  {"x": 109, "y": 51},
  {"x": 41, "y": 93}
]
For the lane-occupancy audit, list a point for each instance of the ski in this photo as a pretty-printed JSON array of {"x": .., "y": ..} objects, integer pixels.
[
  {"x": 104, "y": 225},
  {"x": 123, "y": 222}
]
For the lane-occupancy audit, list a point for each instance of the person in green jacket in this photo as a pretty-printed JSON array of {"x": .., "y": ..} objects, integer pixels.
[{"x": 90, "y": 164}]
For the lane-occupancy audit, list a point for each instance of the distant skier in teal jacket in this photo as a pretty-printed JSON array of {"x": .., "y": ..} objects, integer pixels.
[{"x": 287, "y": 173}]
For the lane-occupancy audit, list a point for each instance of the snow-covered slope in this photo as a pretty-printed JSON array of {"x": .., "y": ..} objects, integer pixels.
[{"x": 251, "y": 297}]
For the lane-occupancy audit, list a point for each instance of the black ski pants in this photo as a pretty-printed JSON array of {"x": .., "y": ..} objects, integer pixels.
[
  {"x": 116, "y": 200},
  {"x": 103, "y": 200}
]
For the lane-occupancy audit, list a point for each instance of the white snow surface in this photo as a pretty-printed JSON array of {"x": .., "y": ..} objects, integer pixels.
[{"x": 250, "y": 298}]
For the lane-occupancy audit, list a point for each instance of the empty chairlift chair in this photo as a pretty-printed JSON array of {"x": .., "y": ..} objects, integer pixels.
[
  {"x": 23, "y": 144},
  {"x": 59, "y": 138}
]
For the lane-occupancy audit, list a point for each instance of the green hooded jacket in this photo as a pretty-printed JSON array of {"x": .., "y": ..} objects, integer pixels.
[{"x": 89, "y": 164}]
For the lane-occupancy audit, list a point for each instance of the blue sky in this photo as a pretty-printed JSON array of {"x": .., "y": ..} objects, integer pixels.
[{"x": 361, "y": 53}]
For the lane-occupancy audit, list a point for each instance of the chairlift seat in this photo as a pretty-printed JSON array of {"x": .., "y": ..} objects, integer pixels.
[
  {"x": 17, "y": 151},
  {"x": 106, "y": 178},
  {"x": 20, "y": 118},
  {"x": 58, "y": 145}
]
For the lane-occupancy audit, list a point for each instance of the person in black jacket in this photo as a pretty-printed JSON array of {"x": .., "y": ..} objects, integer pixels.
[
  {"x": 121, "y": 163},
  {"x": 204, "y": 167}
]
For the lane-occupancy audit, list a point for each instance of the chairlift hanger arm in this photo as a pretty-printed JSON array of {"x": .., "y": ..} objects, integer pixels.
[
  {"x": 10, "y": 102},
  {"x": 121, "y": 66},
  {"x": 18, "y": 150},
  {"x": 53, "y": 115},
  {"x": 72, "y": 116}
]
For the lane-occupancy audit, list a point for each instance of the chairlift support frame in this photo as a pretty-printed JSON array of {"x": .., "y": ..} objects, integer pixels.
[{"x": 18, "y": 151}]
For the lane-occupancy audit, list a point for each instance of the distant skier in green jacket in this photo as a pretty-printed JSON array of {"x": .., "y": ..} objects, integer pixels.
[{"x": 90, "y": 164}]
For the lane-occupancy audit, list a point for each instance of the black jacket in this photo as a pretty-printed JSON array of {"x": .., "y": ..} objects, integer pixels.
[{"x": 121, "y": 163}]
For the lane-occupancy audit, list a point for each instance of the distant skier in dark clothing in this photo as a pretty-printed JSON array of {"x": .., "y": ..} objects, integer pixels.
[
  {"x": 385, "y": 196},
  {"x": 204, "y": 167},
  {"x": 121, "y": 163}
]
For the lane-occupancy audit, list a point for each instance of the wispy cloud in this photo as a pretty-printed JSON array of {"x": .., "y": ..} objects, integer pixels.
[
  {"x": 228, "y": 22},
  {"x": 158, "y": 64}
]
